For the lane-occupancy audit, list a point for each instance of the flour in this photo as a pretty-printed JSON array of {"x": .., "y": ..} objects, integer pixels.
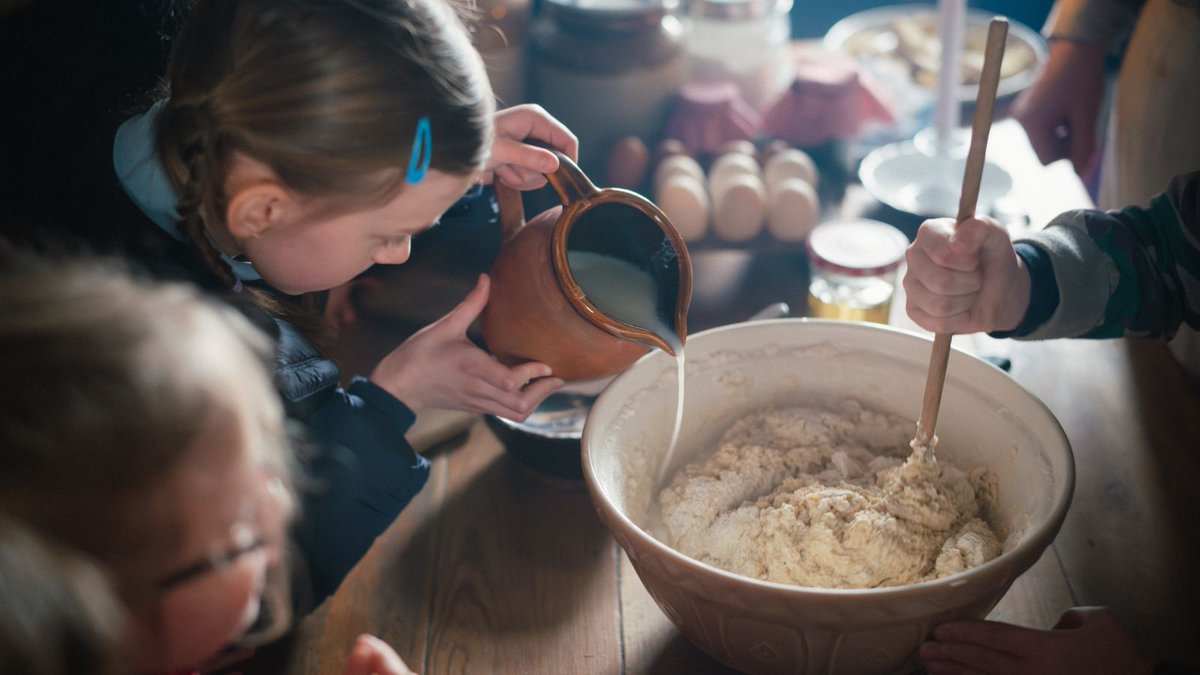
[{"x": 827, "y": 499}]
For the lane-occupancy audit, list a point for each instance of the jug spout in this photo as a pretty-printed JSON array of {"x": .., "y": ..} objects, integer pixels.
[
  {"x": 590, "y": 286},
  {"x": 636, "y": 297}
]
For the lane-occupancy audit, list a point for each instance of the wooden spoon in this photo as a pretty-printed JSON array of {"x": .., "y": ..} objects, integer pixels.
[{"x": 985, "y": 104}]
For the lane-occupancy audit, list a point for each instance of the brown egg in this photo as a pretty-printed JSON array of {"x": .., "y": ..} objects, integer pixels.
[
  {"x": 739, "y": 207},
  {"x": 683, "y": 198},
  {"x": 793, "y": 209},
  {"x": 628, "y": 164}
]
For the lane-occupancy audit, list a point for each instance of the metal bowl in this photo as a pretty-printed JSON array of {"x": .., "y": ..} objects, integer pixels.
[
  {"x": 896, "y": 41},
  {"x": 548, "y": 440}
]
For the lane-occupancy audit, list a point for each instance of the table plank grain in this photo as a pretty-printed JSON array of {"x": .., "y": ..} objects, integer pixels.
[{"x": 524, "y": 580}]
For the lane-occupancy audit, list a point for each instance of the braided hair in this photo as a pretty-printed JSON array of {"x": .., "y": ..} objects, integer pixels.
[{"x": 327, "y": 94}]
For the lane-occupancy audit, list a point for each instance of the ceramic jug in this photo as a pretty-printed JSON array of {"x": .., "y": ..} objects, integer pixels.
[{"x": 539, "y": 312}]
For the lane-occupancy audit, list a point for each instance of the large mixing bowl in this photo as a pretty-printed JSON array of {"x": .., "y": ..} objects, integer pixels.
[{"x": 762, "y": 627}]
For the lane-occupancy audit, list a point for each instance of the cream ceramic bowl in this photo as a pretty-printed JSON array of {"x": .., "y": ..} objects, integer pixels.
[{"x": 762, "y": 627}]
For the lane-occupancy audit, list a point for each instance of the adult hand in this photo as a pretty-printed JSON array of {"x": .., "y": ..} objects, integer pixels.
[
  {"x": 965, "y": 279},
  {"x": 440, "y": 367},
  {"x": 1059, "y": 110},
  {"x": 372, "y": 656},
  {"x": 1085, "y": 640},
  {"x": 522, "y": 165}
]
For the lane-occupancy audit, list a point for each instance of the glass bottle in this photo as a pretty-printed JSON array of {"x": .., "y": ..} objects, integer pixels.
[{"x": 743, "y": 41}]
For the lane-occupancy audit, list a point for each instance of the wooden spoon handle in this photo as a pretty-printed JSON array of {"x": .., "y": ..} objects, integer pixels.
[{"x": 985, "y": 105}]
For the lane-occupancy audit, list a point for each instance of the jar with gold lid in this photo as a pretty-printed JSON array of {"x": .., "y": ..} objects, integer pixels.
[
  {"x": 853, "y": 266},
  {"x": 607, "y": 70}
]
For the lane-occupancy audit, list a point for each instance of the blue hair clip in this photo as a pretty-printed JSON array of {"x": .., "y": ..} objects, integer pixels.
[{"x": 422, "y": 152}]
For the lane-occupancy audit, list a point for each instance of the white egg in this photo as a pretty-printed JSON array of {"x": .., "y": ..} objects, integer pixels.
[
  {"x": 731, "y": 164},
  {"x": 685, "y": 201},
  {"x": 791, "y": 163},
  {"x": 793, "y": 210},
  {"x": 739, "y": 207},
  {"x": 674, "y": 165}
]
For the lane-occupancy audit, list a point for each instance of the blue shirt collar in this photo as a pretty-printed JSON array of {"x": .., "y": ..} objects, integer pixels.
[{"x": 143, "y": 179}]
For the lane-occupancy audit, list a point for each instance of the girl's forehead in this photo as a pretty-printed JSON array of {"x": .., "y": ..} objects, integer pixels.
[
  {"x": 216, "y": 483},
  {"x": 422, "y": 204}
]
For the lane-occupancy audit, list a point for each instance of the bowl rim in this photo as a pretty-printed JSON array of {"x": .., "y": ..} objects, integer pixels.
[
  {"x": 869, "y": 167},
  {"x": 835, "y": 39},
  {"x": 1031, "y": 545}
]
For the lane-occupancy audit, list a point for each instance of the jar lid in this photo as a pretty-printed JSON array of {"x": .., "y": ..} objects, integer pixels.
[
  {"x": 738, "y": 9},
  {"x": 859, "y": 247}
]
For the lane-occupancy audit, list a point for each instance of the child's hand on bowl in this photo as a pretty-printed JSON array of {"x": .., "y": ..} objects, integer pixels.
[{"x": 1085, "y": 640}]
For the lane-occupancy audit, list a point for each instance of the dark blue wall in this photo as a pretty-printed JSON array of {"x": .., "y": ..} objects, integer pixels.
[{"x": 811, "y": 18}]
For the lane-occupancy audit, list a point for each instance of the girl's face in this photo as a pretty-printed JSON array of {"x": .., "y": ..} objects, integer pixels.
[
  {"x": 306, "y": 251},
  {"x": 233, "y": 514}
]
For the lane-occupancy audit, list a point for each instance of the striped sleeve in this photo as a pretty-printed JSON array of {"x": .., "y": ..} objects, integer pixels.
[{"x": 1128, "y": 273}]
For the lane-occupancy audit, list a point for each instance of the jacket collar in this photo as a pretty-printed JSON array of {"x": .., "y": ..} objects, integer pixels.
[{"x": 142, "y": 177}]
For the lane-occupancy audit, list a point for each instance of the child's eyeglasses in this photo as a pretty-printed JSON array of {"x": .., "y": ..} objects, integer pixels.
[
  {"x": 274, "y": 615},
  {"x": 208, "y": 565}
]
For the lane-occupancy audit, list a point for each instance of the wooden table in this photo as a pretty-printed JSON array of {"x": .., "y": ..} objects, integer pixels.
[{"x": 495, "y": 569}]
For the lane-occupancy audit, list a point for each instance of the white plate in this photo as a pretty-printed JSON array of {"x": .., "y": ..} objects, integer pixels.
[{"x": 909, "y": 180}]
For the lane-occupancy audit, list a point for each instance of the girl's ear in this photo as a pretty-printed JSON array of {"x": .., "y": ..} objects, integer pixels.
[
  {"x": 257, "y": 208},
  {"x": 257, "y": 201}
]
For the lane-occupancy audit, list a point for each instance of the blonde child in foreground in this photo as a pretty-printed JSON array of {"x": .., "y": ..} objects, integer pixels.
[
  {"x": 299, "y": 143},
  {"x": 153, "y": 443},
  {"x": 1093, "y": 274}
]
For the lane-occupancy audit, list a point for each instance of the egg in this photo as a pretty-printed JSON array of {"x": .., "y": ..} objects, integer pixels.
[
  {"x": 670, "y": 146},
  {"x": 791, "y": 163},
  {"x": 676, "y": 165},
  {"x": 771, "y": 149},
  {"x": 628, "y": 163},
  {"x": 731, "y": 164},
  {"x": 793, "y": 209},
  {"x": 685, "y": 201},
  {"x": 739, "y": 207},
  {"x": 740, "y": 146}
]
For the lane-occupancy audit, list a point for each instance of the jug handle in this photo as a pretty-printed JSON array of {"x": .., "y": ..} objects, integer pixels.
[
  {"x": 512, "y": 210},
  {"x": 569, "y": 181}
]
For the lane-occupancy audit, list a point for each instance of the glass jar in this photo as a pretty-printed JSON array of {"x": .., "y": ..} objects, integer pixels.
[
  {"x": 852, "y": 267},
  {"x": 743, "y": 41},
  {"x": 606, "y": 69}
]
